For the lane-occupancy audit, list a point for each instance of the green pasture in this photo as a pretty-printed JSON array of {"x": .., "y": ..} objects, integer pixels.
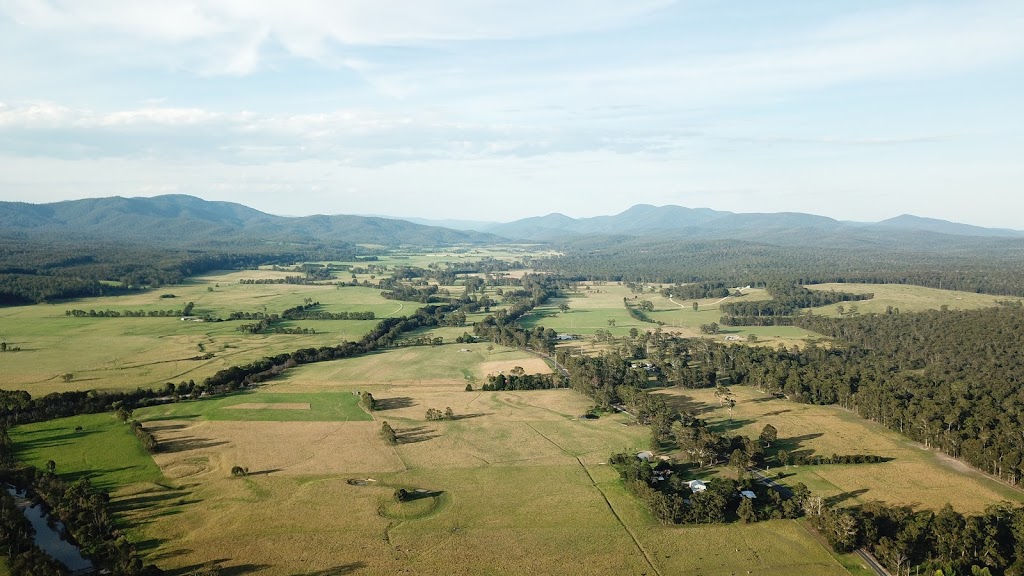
[
  {"x": 105, "y": 450},
  {"x": 413, "y": 363},
  {"x": 119, "y": 353},
  {"x": 593, "y": 306},
  {"x": 323, "y": 407}
]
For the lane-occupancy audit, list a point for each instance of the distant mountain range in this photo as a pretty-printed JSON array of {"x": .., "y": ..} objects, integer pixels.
[
  {"x": 187, "y": 220},
  {"x": 704, "y": 223}
]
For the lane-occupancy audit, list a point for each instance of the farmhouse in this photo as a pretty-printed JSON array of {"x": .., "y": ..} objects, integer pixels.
[
  {"x": 749, "y": 495},
  {"x": 696, "y": 486},
  {"x": 565, "y": 337},
  {"x": 645, "y": 456}
]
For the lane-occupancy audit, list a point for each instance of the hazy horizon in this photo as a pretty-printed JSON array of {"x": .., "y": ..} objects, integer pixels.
[{"x": 495, "y": 110}]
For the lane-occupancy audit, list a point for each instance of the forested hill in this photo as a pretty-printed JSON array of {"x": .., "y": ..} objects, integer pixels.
[
  {"x": 987, "y": 265},
  {"x": 706, "y": 224},
  {"x": 178, "y": 220}
]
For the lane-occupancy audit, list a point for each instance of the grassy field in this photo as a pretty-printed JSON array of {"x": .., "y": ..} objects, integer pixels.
[
  {"x": 113, "y": 353},
  {"x": 265, "y": 406},
  {"x": 907, "y": 298},
  {"x": 914, "y": 476},
  {"x": 591, "y": 309},
  {"x": 448, "y": 365},
  {"x": 105, "y": 450},
  {"x": 515, "y": 483}
]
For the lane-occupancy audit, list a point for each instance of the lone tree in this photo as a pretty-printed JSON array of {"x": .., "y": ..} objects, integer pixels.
[
  {"x": 783, "y": 457},
  {"x": 563, "y": 307},
  {"x": 368, "y": 402},
  {"x": 67, "y": 377},
  {"x": 696, "y": 306},
  {"x": 388, "y": 433},
  {"x": 239, "y": 471},
  {"x": 123, "y": 413},
  {"x": 448, "y": 414},
  {"x": 769, "y": 434}
]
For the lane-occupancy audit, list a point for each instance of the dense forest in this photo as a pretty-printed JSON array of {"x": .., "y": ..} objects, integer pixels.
[
  {"x": 974, "y": 265},
  {"x": 33, "y": 271}
]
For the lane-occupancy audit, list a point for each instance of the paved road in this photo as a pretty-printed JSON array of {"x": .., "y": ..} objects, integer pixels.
[{"x": 872, "y": 562}]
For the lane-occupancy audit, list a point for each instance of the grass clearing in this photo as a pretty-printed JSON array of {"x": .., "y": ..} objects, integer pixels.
[
  {"x": 915, "y": 476},
  {"x": 105, "y": 450},
  {"x": 264, "y": 406},
  {"x": 149, "y": 352},
  {"x": 906, "y": 297},
  {"x": 591, "y": 309}
]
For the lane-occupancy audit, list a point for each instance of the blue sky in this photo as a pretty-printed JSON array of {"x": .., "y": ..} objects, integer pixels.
[{"x": 501, "y": 109}]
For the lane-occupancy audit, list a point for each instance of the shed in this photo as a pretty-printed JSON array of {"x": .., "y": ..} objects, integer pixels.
[{"x": 747, "y": 494}]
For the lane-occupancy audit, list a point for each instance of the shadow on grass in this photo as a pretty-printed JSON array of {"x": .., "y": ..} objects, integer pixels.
[
  {"x": 166, "y": 427},
  {"x": 186, "y": 444},
  {"x": 147, "y": 499},
  {"x": 222, "y": 570},
  {"x": 264, "y": 472},
  {"x": 338, "y": 570},
  {"x": 52, "y": 441},
  {"x": 794, "y": 444},
  {"x": 844, "y": 496},
  {"x": 414, "y": 435},
  {"x": 468, "y": 416},
  {"x": 381, "y": 404},
  {"x": 729, "y": 425},
  {"x": 416, "y": 495}
]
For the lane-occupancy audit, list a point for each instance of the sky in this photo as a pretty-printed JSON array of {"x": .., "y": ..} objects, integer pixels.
[{"x": 501, "y": 109}]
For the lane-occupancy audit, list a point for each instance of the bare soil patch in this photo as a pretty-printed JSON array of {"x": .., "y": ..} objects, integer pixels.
[{"x": 530, "y": 365}]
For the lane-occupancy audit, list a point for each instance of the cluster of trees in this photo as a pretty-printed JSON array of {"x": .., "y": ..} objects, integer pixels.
[
  {"x": 435, "y": 414},
  {"x": 788, "y": 300},
  {"x": 306, "y": 312},
  {"x": 517, "y": 379},
  {"x": 48, "y": 269},
  {"x": 267, "y": 326},
  {"x": 368, "y": 401},
  {"x": 19, "y": 407},
  {"x": 944, "y": 543},
  {"x": 424, "y": 294},
  {"x": 948, "y": 379},
  {"x": 85, "y": 512},
  {"x": 388, "y": 433},
  {"x": 670, "y": 498},
  {"x": 697, "y": 291},
  {"x": 386, "y": 333},
  {"x": 786, "y": 459},
  {"x": 77, "y": 313},
  {"x": 301, "y": 280},
  {"x": 17, "y": 541},
  {"x": 639, "y": 312}
]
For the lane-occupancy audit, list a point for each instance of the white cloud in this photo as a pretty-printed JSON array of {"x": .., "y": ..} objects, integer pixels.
[{"x": 229, "y": 34}]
